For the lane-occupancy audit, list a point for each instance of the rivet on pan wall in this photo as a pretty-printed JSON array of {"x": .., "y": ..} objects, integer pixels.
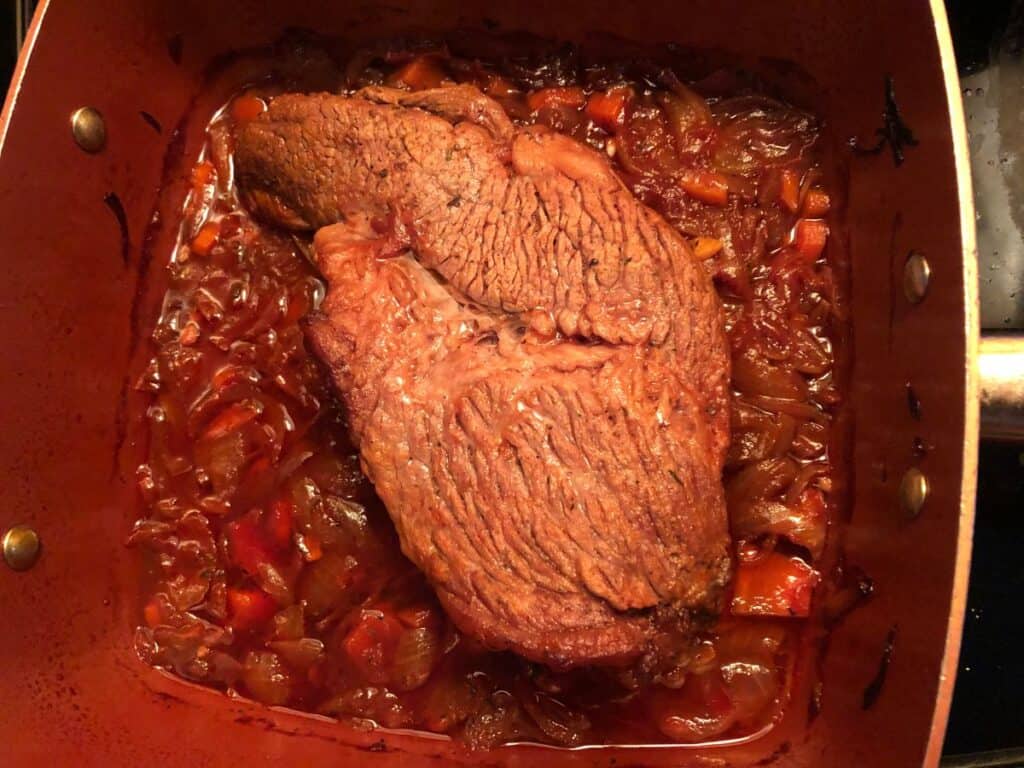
[
  {"x": 88, "y": 129},
  {"x": 21, "y": 547},
  {"x": 913, "y": 491},
  {"x": 917, "y": 273}
]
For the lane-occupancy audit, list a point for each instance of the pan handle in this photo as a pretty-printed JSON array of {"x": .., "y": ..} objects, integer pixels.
[{"x": 1001, "y": 369}]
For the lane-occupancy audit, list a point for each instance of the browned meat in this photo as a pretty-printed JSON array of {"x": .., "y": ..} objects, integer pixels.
[{"x": 533, "y": 363}]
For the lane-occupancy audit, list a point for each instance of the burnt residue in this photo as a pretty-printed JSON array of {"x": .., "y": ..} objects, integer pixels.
[
  {"x": 151, "y": 121},
  {"x": 172, "y": 158},
  {"x": 175, "y": 46},
  {"x": 378, "y": 746},
  {"x": 113, "y": 202},
  {"x": 851, "y": 587},
  {"x": 781, "y": 751},
  {"x": 894, "y": 131},
  {"x": 913, "y": 402},
  {"x": 874, "y": 689}
]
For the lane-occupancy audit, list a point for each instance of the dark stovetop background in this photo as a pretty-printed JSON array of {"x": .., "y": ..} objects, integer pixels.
[{"x": 988, "y": 705}]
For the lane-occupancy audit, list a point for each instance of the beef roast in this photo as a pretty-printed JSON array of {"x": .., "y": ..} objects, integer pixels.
[{"x": 533, "y": 363}]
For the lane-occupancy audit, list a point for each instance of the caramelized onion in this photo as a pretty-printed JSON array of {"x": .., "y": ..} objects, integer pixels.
[
  {"x": 265, "y": 678},
  {"x": 416, "y": 654}
]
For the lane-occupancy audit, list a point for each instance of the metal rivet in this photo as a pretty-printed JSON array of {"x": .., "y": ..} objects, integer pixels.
[
  {"x": 88, "y": 129},
  {"x": 913, "y": 491},
  {"x": 21, "y": 547},
  {"x": 917, "y": 273}
]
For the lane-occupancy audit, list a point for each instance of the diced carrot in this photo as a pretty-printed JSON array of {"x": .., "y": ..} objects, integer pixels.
[
  {"x": 420, "y": 73},
  {"x": 203, "y": 242},
  {"x": 249, "y": 608},
  {"x": 810, "y": 236},
  {"x": 310, "y": 547},
  {"x": 152, "y": 614},
  {"x": 608, "y": 108},
  {"x": 816, "y": 203},
  {"x": 706, "y": 247},
  {"x": 706, "y": 186},
  {"x": 789, "y": 189},
  {"x": 278, "y": 523},
  {"x": 203, "y": 173},
  {"x": 574, "y": 98},
  {"x": 248, "y": 547},
  {"x": 774, "y": 585},
  {"x": 189, "y": 335},
  {"x": 228, "y": 420},
  {"x": 247, "y": 108}
]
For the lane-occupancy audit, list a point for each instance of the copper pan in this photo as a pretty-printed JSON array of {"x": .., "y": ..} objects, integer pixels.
[{"x": 79, "y": 227}]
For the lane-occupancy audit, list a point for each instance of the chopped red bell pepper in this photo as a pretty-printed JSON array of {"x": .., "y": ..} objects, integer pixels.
[
  {"x": 810, "y": 236},
  {"x": 607, "y": 109},
  {"x": 706, "y": 186},
  {"x": 774, "y": 585},
  {"x": 249, "y": 608},
  {"x": 248, "y": 545},
  {"x": 371, "y": 643},
  {"x": 574, "y": 98}
]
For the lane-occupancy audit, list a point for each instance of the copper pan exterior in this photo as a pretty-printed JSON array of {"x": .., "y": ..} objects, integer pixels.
[{"x": 72, "y": 691}]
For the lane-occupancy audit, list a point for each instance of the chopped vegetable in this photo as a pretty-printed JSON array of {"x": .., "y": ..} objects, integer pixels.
[
  {"x": 266, "y": 678},
  {"x": 706, "y": 247},
  {"x": 775, "y": 585},
  {"x": 803, "y": 523},
  {"x": 416, "y": 653},
  {"x": 420, "y": 73},
  {"x": 789, "y": 189},
  {"x": 249, "y": 609},
  {"x": 607, "y": 109},
  {"x": 248, "y": 546},
  {"x": 300, "y": 654},
  {"x": 247, "y": 108},
  {"x": 152, "y": 613},
  {"x": 203, "y": 173},
  {"x": 809, "y": 237},
  {"x": 816, "y": 203},
  {"x": 371, "y": 644},
  {"x": 706, "y": 186},
  {"x": 279, "y": 523},
  {"x": 545, "y": 98},
  {"x": 230, "y": 419},
  {"x": 204, "y": 241},
  {"x": 699, "y": 710}
]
